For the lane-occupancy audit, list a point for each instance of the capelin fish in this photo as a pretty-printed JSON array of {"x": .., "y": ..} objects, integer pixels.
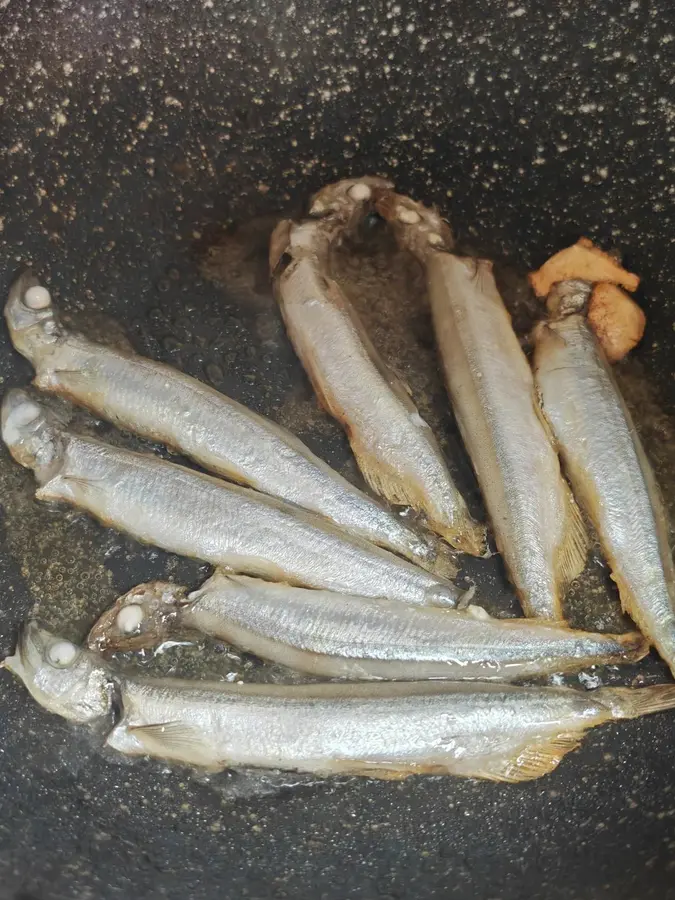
[
  {"x": 162, "y": 404},
  {"x": 395, "y": 448},
  {"x": 338, "y": 635},
  {"x": 606, "y": 463},
  {"x": 196, "y": 515},
  {"x": 383, "y": 730},
  {"x": 537, "y": 525}
]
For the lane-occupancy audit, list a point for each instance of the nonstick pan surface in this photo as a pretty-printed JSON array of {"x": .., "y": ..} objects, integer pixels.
[{"x": 146, "y": 149}]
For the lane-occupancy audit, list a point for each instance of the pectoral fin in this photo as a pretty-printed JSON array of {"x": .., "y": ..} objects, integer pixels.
[{"x": 176, "y": 741}]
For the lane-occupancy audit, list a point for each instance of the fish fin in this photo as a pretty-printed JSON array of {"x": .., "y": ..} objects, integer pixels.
[
  {"x": 574, "y": 548},
  {"x": 527, "y": 761},
  {"x": 444, "y": 563},
  {"x": 626, "y": 596},
  {"x": 629, "y": 603},
  {"x": 467, "y": 536},
  {"x": 629, "y": 703},
  {"x": 381, "y": 480},
  {"x": 386, "y": 771},
  {"x": 634, "y": 645},
  {"x": 538, "y": 404},
  {"x": 47, "y": 491},
  {"x": 177, "y": 741}
]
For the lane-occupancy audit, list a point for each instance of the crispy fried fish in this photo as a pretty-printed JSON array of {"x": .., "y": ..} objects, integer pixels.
[
  {"x": 196, "y": 515},
  {"x": 339, "y": 635}
]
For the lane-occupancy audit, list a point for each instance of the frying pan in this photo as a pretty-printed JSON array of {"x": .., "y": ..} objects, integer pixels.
[{"x": 133, "y": 136}]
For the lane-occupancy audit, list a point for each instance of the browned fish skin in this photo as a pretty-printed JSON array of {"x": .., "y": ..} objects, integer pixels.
[{"x": 395, "y": 448}]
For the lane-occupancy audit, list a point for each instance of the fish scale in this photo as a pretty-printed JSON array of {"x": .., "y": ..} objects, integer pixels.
[
  {"x": 609, "y": 471},
  {"x": 383, "y": 730},
  {"x": 162, "y": 404},
  {"x": 202, "y": 517},
  {"x": 336, "y": 635}
]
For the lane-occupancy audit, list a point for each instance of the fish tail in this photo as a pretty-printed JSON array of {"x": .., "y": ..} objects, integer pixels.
[
  {"x": 444, "y": 562},
  {"x": 469, "y": 537},
  {"x": 633, "y": 645},
  {"x": 629, "y": 703}
]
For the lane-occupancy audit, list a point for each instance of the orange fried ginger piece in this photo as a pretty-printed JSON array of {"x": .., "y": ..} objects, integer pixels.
[
  {"x": 585, "y": 261},
  {"x": 616, "y": 319}
]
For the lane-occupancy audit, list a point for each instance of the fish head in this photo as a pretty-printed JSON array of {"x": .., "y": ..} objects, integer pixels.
[
  {"x": 417, "y": 227},
  {"x": 568, "y": 297},
  {"x": 32, "y": 432},
  {"x": 344, "y": 196},
  {"x": 140, "y": 619},
  {"x": 30, "y": 316},
  {"x": 64, "y": 678}
]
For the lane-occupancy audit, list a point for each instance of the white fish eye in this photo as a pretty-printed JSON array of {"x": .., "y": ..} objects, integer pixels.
[
  {"x": 37, "y": 297},
  {"x": 61, "y": 654},
  {"x": 408, "y": 216},
  {"x": 26, "y": 413},
  {"x": 129, "y": 618},
  {"x": 360, "y": 192}
]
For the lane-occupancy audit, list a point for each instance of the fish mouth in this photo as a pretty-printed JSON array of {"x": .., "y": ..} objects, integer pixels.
[
  {"x": 30, "y": 642},
  {"x": 19, "y": 662},
  {"x": 22, "y": 419}
]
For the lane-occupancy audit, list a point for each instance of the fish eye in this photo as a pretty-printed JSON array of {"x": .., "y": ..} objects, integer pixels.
[
  {"x": 360, "y": 192},
  {"x": 26, "y": 413},
  {"x": 129, "y": 618},
  {"x": 37, "y": 297},
  {"x": 61, "y": 654}
]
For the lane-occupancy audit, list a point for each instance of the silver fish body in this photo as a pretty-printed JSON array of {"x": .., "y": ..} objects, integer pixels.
[
  {"x": 161, "y": 403},
  {"x": 338, "y": 635},
  {"x": 609, "y": 472},
  {"x": 537, "y": 526},
  {"x": 195, "y": 515},
  {"x": 394, "y": 447},
  {"x": 498, "y": 732}
]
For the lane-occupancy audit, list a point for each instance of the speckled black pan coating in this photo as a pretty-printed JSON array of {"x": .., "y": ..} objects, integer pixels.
[{"x": 128, "y": 130}]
